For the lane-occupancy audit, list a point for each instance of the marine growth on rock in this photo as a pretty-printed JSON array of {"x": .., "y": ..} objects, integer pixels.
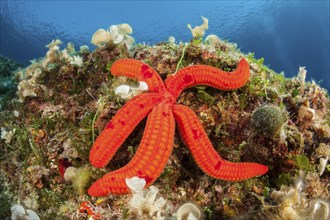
[{"x": 66, "y": 99}]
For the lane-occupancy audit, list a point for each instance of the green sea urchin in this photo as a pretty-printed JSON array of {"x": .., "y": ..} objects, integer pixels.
[{"x": 268, "y": 120}]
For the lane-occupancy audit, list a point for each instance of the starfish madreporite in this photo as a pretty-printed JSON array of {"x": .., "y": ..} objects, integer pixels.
[{"x": 159, "y": 103}]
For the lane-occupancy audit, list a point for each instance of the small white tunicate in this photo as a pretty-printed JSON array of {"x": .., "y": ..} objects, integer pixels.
[
  {"x": 145, "y": 201},
  {"x": 188, "y": 211},
  {"x": 322, "y": 165},
  {"x": 124, "y": 91},
  {"x": 77, "y": 61},
  {"x": 70, "y": 173},
  {"x": 16, "y": 113},
  {"x": 320, "y": 210},
  {"x": 157, "y": 205},
  {"x": 18, "y": 212},
  {"x": 135, "y": 183},
  {"x": 115, "y": 34},
  {"x": 171, "y": 40},
  {"x": 101, "y": 37},
  {"x": 128, "y": 92}
]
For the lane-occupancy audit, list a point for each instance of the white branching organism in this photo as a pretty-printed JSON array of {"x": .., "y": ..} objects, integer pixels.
[
  {"x": 116, "y": 34},
  {"x": 199, "y": 31},
  {"x": 293, "y": 203},
  {"x": 77, "y": 61},
  {"x": 7, "y": 135},
  {"x": 145, "y": 201},
  {"x": 188, "y": 211},
  {"x": 18, "y": 212}
]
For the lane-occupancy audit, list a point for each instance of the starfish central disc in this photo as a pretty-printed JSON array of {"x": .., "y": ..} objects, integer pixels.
[{"x": 168, "y": 98}]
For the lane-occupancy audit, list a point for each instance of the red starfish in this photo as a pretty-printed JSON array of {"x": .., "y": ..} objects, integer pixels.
[{"x": 157, "y": 141}]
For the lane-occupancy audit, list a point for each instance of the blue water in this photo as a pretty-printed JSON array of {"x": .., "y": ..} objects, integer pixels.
[{"x": 288, "y": 34}]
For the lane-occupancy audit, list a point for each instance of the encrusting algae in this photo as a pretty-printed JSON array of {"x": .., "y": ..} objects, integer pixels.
[{"x": 67, "y": 98}]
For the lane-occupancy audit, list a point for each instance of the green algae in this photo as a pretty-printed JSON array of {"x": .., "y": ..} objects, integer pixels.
[
  {"x": 283, "y": 179},
  {"x": 5, "y": 198},
  {"x": 302, "y": 162},
  {"x": 205, "y": 96}
]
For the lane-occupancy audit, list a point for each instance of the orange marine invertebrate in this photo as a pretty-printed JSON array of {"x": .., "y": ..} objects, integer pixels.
[
  {"x": 90, "y": 210},
  {"x": 157, "y": 141}
]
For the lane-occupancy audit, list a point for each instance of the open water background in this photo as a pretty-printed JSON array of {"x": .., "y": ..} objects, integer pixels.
[{"x": 288, "y": 34}]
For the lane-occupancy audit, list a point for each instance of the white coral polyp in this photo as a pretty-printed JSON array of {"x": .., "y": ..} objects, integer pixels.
[
  {"x": 144, "y": 200},
  {"x": 128, "y": 92},
  {"x": 136, "y": 201},
  {"x": 26, "y": 89},
  {"x": 321, "y": 209},
  {"x": 70, "y": 173},
  {"x": 135, "y": 183},
  {"x": 54, "y": 45},
  {"x": 124, "y": 91},
  {"x": 77, "y": 61},
  {"x": 129, "y": 40},
  {"x": 151, "y": 194},
  {"x": 157, "y": 205},
  {"x": 53, "y": 54},
  {"x": 7, "y": 135},
  {"x": 116, "y": 34},
  {"x": 118, "y": 38},
  {"x": 124, "y": 29},
  {"x": 101, "y": 37},
  {"x": 120, "y": 33},
  {"x": 212, "y": 40},
  {"x": 18, "y": 212},
  {"x": 188, "y": 211},
  {"x": 199, "y": 31}
]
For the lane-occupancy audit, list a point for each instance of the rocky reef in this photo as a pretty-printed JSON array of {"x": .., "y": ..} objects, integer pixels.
[
  {"x": 8, "y": 82},
  {"x": 65, "y": 99}
]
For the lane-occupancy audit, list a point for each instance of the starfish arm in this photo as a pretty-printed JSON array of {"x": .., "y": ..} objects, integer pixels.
[
  {"x": 194, "y": 136},
  {"x": 208, "y": 75},
  {"x": 140, "y": 71},
  {"x": 150, "y": 158},
  {"x": 120, "y": 127}
]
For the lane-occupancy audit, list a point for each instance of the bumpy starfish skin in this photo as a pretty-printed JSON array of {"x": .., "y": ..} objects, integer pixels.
[
  {"x": 150, "y": 158},
  {"x": 157, "y": 141},
  {"x": 208, "y": 75},
  {"x": 120, "y": 127},
  {"x": 200, "y": 146}
]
